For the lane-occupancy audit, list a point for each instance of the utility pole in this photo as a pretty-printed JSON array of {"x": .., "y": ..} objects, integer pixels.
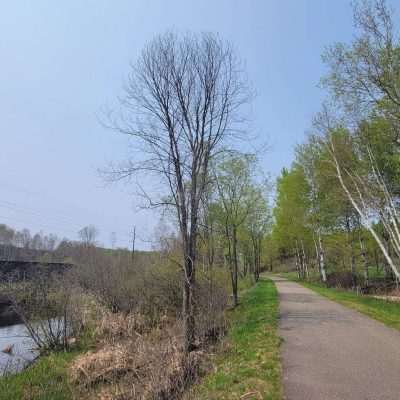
[
  {"x": 113, "y": 238},
  {"x": 133, "y": 243}
]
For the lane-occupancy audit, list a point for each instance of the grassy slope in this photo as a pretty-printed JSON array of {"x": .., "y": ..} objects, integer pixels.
[
  {"x": 45, "y": 380},
  {"x": 251, "y": 365}
]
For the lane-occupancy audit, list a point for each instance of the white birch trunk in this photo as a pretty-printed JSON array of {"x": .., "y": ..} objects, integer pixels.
[
  {"x": 363, "y": 214},
  {"x": 298, "y": 262},
  {"x": 321, "y": 258},
  {"x": 365, "y": 259},
  {"x": 305, "y": 266},
  {"x": 317, "y": 254}
]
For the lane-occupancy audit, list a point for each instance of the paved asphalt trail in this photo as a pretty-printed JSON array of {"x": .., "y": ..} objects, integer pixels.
[{"x": 333, "y": 353}]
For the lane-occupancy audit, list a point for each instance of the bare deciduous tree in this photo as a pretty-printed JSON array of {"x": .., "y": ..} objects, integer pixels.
[
  {"x": 182, "y": 101},
  {"x": 88, "y": 235}
]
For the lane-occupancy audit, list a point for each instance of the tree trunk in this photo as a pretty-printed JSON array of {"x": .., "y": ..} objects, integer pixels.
[
  {"x": 190, "y": 247},
  {"x": 235, "y": 268},
  {"x": 388, "y": 273},
  {"x": 317, "y": 257},
  {"x": 304, "y": 261},
  {"x": 256, "y": 258},
  {"x": 363, "y": 217},
  {"x": 321, "y": 258},
  {"x": 211, "y": 247},
  {"x": 376, "y": 258},
  {"x": 133, "y": 244},
  {"x": 298, "y": 264},
  {"x": 232, "y": 262},
  {"x": 350, "y": 244},
  {"x": 365, "y": 259},
  {"x": 188, "y": 309}
]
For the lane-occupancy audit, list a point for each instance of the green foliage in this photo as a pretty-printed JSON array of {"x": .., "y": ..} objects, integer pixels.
[
  {"x": 355, "y": 138},
  {"x": 329, "y": 206},
  {"x": 291, "y": 211},
  {"x": 240, "y": 213},
  {"x": 311, "y": 202},
  {"x": 378, "y": 135},
  {"x": 47, "y": 379},
  {"x": 234, "y": 180}
]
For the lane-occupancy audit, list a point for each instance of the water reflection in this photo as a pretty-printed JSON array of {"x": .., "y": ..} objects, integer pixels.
[{"x": 22, "y": 346}]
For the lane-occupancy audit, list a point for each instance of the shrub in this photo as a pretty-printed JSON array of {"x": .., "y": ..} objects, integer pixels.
[{"x": 43, "y": 304}]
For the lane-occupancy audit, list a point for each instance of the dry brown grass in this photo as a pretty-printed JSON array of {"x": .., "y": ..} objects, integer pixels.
[{"x": 132, "y": 362}]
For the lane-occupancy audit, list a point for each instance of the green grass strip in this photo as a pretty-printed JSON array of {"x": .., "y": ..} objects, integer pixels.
[
  {"x": 381, "y": 310},
  {"x": 250, "y": 368},
  {"x": 45, "y": 380}
]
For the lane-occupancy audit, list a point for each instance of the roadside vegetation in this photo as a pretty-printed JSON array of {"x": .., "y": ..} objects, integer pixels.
[
  {"x": 153, "y": 316},
  {"x": 336, "y": 216},
  {"x": 108, "y": 357},
  {"x": 249, "y": 367},
  {"x": 381, "y": 310}
]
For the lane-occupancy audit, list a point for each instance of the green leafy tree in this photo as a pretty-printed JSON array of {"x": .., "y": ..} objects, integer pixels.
[
  {"x": 291, "y": 212},
  {"x": 234, "y": 183}
]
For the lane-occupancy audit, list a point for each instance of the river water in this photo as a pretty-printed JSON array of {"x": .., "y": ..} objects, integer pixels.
[{"x": 22, "y": 351}]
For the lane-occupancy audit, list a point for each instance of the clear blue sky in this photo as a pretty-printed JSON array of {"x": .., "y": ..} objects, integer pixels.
[{"x": 62, "y": 61}]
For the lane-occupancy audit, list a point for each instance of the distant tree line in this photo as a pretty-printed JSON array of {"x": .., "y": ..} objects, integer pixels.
[
  {"x": 26, "y": 246},
  {"x": 25, "y": 239}
]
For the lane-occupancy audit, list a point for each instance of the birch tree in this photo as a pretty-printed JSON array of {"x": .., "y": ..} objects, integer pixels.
[
  {"x": 309, "y": 157},
  {"x": 366, "y": 190},
  {"x": 364, "y": 79}
]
